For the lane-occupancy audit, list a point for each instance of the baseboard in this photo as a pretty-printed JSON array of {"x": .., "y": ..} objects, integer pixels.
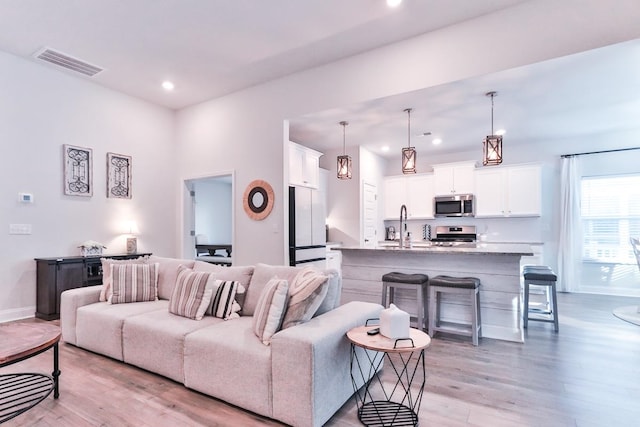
[{"x": 17, "y": 314}]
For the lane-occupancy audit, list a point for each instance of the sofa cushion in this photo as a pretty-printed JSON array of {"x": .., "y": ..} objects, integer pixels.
[
  {"x": 192, "y": 294},
  {"x": 133, "y": 283},
  {"x": 227, "y": 361},
  {"x": 105, "y": 292},
  {"x": 99, "y": 325},
  {"x": 241, "y": 275},
  {"x": 262, "y": 273},
  {"x": 270, "y": 310},
  {"x": 155, "y": 341},
  {"x": 168, "y": 273},
  {"x": 306, "y": 293}
]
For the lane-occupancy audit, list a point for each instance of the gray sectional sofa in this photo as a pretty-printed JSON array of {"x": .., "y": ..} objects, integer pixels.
[{"x": 301, "y": 379}]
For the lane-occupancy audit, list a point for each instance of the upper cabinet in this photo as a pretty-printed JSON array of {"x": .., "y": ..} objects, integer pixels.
[
  {"x": 508, "y": 191},
  {"x": 454, "y": 178},
  {"x": 413, "y": 191},
  {"x": 304, "y": 166}
]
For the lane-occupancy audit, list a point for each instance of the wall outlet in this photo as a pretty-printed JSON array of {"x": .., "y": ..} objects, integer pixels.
[{"x": 19, "y": 228}]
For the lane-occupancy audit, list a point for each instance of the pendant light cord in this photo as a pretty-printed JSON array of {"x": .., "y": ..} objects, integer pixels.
[
  {"x": 344, "y": 127},
  {"x": 408, "y": 110}
]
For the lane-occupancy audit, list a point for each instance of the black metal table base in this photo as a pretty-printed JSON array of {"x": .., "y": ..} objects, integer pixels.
[
  {"x": 384, "y": 413},
  {"x": 22, "y": 391},
  {"x": 393, "y": 406}
]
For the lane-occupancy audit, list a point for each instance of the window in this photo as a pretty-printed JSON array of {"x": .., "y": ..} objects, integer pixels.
[{"x": 610, "y": 211}]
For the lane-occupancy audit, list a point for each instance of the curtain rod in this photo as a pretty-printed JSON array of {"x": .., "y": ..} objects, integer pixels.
[{"x": 600, "y": 152}]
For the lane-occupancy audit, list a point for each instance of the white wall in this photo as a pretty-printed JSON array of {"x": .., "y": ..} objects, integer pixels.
[
  {"x": 40, "y": 110},
  {"x": 343, "y": 195},
  {"x": 244, "y": 131}
]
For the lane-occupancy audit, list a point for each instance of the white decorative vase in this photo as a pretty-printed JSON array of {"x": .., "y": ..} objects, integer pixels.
[{"x": 394, "y": 323}]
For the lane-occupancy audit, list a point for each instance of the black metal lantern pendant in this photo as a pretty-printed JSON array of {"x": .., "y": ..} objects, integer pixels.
[
  {"x": 344, "y": 165},
  {"x": 409, "y": 153},
  {"x": 492, "y": 144}
]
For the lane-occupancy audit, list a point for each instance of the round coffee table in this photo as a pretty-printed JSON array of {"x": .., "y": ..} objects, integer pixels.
[
  {"x": 22, "y": 391},
  {"x": 388, "y": 406}
]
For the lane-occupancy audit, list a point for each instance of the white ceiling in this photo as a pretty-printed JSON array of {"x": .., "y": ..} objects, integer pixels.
[
  {"x": 209, "y": 48},
  {"x": 588, "y": 93}
]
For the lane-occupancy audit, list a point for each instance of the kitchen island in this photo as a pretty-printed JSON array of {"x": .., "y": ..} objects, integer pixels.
[{"x": 496, "y": 265}]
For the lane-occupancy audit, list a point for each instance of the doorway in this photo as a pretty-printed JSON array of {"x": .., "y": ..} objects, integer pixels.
[
  {"x": 369, "y": 214},
  {"x": 208, "y": 218}
]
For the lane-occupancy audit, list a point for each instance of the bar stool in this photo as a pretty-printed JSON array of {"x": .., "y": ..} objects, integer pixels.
[
  {"x": 469, "y": 286},
  {"x": 540, "y": 275},
  {"x": 417, "y": 282}
]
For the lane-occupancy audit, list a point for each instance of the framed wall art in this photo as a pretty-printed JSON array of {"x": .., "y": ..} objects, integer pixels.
[
  {"x": 77, "y": 170},
  {"x": 118, "y": 176}
]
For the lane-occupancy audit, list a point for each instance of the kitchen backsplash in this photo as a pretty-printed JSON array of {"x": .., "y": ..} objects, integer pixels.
[{"x": 496, "y": 229}]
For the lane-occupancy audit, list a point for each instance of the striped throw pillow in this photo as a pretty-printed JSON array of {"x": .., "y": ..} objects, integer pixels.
[
  {"x": 192, "y": 293},
  {"x": 223, "y": 303},
  {"x": 272, "y": 303},
  {"x": 133, "y": 283}
]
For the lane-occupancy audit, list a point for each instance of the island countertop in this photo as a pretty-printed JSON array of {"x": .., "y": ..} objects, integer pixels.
[{"x": 461, "y": 248}]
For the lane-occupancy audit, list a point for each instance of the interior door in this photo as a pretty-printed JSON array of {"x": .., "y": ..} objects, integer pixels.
[{"x": 369, "y": 214}]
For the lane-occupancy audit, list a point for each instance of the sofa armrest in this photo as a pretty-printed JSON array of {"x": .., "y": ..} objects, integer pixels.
[
  {"x": 70, "y": 301},
  {"x": 311, "y": 365}
]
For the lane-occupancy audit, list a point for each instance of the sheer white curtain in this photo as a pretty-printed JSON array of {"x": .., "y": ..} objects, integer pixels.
[{"x": 570, "y": 241}]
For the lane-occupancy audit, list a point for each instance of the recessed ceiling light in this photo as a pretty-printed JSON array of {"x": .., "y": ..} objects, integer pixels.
[
  {"x": 501, "y": 132},
  {"x": 393, "y": 3},
  {"x": 167, "y": 85},
  {"x": 436, "y": 141},
  {"x": 385, "y": 148}
]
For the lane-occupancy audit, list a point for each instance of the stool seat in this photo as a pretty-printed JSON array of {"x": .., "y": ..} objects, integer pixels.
[
  {"x": 455, "y": 282},
  {"x": 540, "y": 275},
  {"x": 545, "y": 274},
  {"x": 466, "y": 286},
  {"x": 408, "y": 282},
  {"x": 413, "y": 279}
]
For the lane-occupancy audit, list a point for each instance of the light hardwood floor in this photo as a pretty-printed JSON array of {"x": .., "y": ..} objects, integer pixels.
[{"x": 586, "y": 375}]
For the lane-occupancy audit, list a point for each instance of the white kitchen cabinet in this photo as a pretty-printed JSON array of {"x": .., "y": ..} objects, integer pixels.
[
  {"x": 454, "y": 178},
  {"x": 304, "y": 166},
  {"x": 395, "y": 195},
  {"x": 508, "y": 191},
  {"x": 415, "y": 192}
]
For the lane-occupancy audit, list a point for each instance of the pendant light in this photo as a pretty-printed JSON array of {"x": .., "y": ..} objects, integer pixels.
[
  {"x": 492, "y": 144},
  {"x": 344, "y": 162},
  {"x": 409, "y": 153}
]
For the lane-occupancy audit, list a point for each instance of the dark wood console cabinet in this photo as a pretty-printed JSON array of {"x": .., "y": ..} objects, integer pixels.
[{"x": 56, "y": 275}]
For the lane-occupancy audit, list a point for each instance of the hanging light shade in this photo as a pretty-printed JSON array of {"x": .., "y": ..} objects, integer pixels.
[
  {"x": 409, "y": 153},
  {"x": 344, "y": 166},
  {"x": 492, "y": 144}
]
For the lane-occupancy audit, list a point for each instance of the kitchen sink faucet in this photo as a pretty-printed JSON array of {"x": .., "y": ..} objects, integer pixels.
[{"x": 403, "y": 230}]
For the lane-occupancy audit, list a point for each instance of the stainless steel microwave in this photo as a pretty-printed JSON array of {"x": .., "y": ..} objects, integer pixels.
[{"x": 454, "y": 206}]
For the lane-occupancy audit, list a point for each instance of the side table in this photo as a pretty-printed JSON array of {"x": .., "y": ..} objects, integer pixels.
[
  {"x": 22, "y": 391},
  {"x": 398, "y": 403}
]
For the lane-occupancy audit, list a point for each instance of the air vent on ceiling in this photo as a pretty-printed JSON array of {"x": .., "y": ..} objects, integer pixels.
[{"x": 68, "y": 62}]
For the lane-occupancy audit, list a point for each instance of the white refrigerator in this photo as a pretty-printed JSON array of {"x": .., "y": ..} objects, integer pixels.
[{"x": 307, "y": 231}]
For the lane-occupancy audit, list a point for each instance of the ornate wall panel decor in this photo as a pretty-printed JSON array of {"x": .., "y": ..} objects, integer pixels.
[
  {"x": 258, "y": 200},
  {"x": 118, "y": 176},
  {"x": 78, "y": 171}
]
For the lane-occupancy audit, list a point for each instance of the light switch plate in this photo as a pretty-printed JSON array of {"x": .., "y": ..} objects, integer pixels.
[
  {"x": 19, "y": 228},
  {"x": 25, "y": 197}
]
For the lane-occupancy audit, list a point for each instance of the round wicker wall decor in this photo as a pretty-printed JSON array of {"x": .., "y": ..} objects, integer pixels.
[{"x": 258, "y": 200}]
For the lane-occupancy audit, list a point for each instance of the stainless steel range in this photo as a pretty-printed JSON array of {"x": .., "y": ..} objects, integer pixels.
[{"x": 454, "y": 235}]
